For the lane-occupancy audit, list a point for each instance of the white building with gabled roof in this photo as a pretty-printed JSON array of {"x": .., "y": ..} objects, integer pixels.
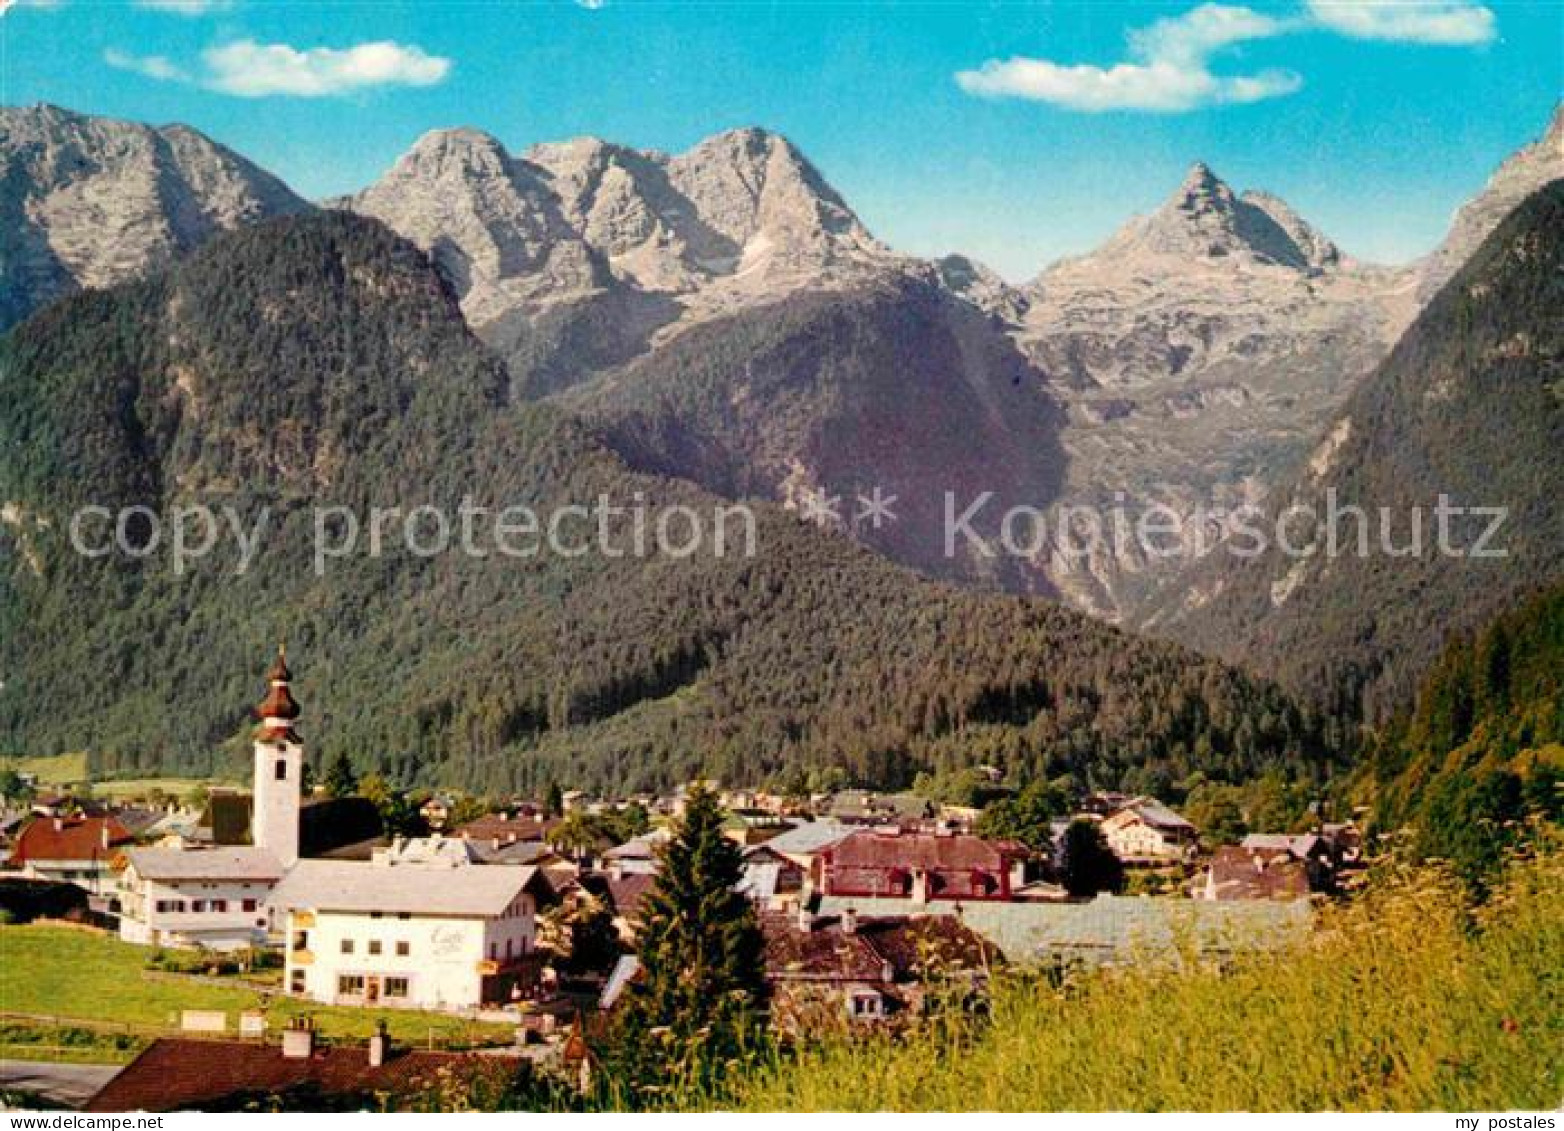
[{"x": 441, "y": 933}]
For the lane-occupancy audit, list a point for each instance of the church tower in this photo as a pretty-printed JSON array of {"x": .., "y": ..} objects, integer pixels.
[{"x": 279, "y": 769}]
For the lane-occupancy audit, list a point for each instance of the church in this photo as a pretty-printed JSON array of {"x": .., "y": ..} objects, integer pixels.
[{"x": 218, "y": 897}]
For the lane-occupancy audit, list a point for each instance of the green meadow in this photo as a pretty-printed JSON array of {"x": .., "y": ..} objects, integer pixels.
[{"x": 83, "y": 976}]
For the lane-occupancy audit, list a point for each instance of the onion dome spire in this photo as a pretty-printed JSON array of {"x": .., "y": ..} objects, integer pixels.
[{"x": 278, "y": 710}]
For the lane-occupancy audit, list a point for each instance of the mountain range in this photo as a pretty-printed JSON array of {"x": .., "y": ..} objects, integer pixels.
[
  {"x": 321, "y": 361},
  {"x": 721, "y": 318}
]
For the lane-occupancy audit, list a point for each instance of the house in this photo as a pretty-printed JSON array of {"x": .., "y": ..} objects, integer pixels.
[
  {"x": 625, "y": 893},
  {"x": 1145, "y": 831},
  {"x": 803, "y": 842},
  {"x": 440, "y": 934},
  {"x": 214, "y": 897},
  {"x": 638, "y": 855},
  {"x": 217, "y": 896},
  {"x": 920, "y": 866},
  {"x": 847, "y": 968},
  {"x": 1316, "y": 856},
  {"x": 1235, "y": 873},
  {"x": 509, "y": 828},
  {"x": 182, "y": 1074},
  {"x": 79, "y": 850},
  {"x": 771, "y": 879},
  {"x": 864, "y": 807}
]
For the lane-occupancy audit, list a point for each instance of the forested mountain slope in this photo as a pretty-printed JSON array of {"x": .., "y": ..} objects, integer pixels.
[
  {"x": 322, "y": 361},
  {"x": 1470, "y": 407}
]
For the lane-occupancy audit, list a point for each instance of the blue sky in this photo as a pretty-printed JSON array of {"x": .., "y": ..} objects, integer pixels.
[{"x": 1012, "y": 132}]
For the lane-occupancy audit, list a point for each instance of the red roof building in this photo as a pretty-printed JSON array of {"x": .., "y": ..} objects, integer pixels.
[
  {"x": 889, "y": 864},
  {"x": 75, "y": 850},
  {"x": 68, "y": 840},
  {"x": 212, "y": 1075}
]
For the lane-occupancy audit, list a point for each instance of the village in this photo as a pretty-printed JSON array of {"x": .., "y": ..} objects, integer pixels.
[{"x": 522, "y": 915}]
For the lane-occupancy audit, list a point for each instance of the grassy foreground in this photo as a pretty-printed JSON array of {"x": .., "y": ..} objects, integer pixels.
[
  {"x": 1404, "y": 1000},
  {"x": 87, "y": 976}
]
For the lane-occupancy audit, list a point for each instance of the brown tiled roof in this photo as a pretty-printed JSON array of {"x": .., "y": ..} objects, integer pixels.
[
  {"x": 629, "y": 891},
  {"x": 176, "y": 1074},
  {"x": 67, "y": 838},
  {"x": 895, "y": 946},
  {"x": 1239, "y": 873},
  {"x": 493, "y": 826},
  {"x": 921, "y": 850}
]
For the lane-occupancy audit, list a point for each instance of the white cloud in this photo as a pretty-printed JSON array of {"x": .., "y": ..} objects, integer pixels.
[
  {"x": 249, "y": 69},
  {"x": 184, "y": 7},
  {"x": 592, "y": 5},
  {"x": 254, "y": 70},
  {"x": 152, "y": 66},
  {"x": 1459, "y": 22},
  {"x": 1169, "y": 68},
  {"x": 7, "y": 5}
]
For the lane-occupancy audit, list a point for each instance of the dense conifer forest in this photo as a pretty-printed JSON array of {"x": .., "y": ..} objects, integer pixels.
[{"x": 320, "y": 361}]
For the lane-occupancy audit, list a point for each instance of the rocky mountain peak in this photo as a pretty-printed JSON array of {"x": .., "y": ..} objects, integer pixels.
[
  {"x": 96, "y": 201},
  {"x": 461, "y": 152},
  {"x": 1204, "y": 223}
]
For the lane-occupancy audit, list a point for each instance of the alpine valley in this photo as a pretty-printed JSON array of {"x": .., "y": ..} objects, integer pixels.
[{"x": 584, "y": 318}]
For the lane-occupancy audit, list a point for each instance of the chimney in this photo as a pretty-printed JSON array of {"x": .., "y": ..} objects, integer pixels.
[
  {"x": 379, "y": 1046},
  {"x": 59, "y": 824},
  {"x": 298, "y": 1039},
  {"x": 105, "y": 835},
  {"x": 850, "y": 921}
]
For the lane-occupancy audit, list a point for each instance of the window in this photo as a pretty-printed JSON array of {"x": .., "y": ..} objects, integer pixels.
[
  {"x": 296, "y": 982},
  {"x": 374, "y": 946},
  {"x": 376, "y": 914},
  {"x": 404, "y": 914},
  {"x": 218, "y": 905},
  {"x": 250, "y": 905},
  {"x": 508, "y": 944},
  {"x": 396, "y": 987},
  {"x": 350, "y": 985},
  {"x": 347, "y": 946},
  {"x": 197, "y": 906},
  {"x": 301, "y": 940},
  {"x": 281, "y": 770},
  {"x": 402, "y": 949},
  {"x": 164, "y": 905},
  {"x": 494, "y": 950}
]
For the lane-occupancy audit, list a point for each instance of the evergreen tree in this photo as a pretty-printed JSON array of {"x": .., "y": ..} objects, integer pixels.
[
  {"x": 1089, "y": 864},
  {"x": 341, "y": 781},
  {"x": 553, "y": 800},
  {"x": 699, "y": 1003}
]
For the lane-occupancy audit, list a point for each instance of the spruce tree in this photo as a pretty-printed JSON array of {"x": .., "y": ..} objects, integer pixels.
[
  {"x": 1089, "y": 864},
  {"x": 341, "y": 781},
  {"x": 699, "y": 1002}
]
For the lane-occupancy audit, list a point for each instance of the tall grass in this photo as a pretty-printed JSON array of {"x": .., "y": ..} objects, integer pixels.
[{"x": 1404, "y": 1000}]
